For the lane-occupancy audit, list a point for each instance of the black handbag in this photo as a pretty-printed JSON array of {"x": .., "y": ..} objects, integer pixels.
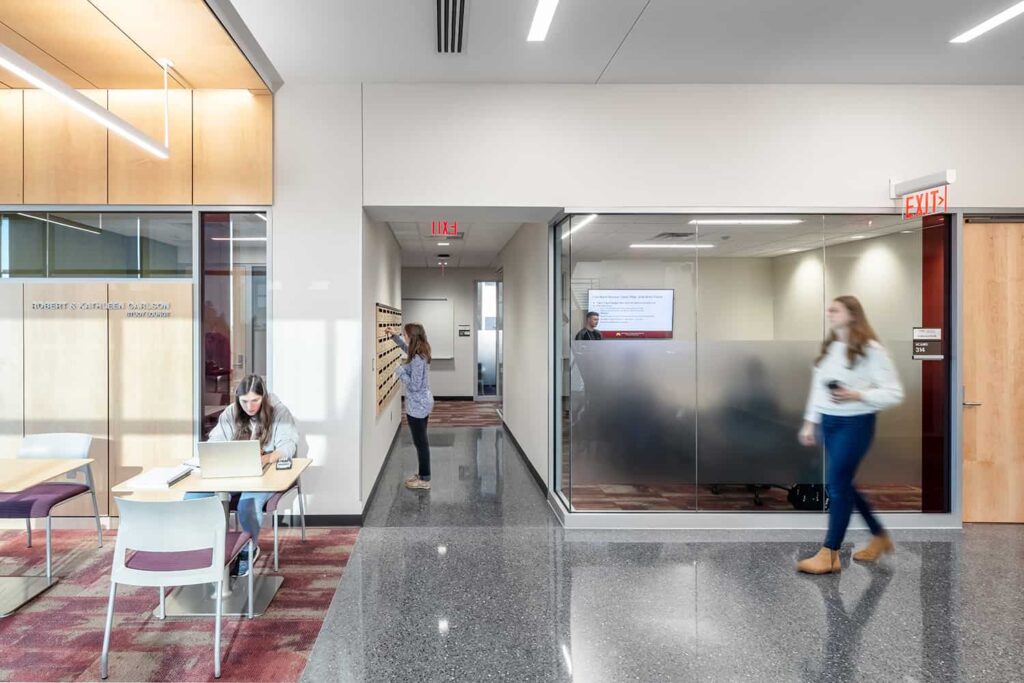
[{"x": 808, "y": 497}]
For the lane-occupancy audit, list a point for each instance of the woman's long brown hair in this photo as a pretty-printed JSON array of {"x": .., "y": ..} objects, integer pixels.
[
  {"x": 861, "y": 334},
  {"x": 264, "y": 418},
  {"x": 418, "y": 344}
]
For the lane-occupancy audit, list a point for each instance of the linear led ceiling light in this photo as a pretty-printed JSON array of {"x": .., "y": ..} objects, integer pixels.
[
  {"x": 25, "y": 69},
  {"x": 745, "y": 221},
  {"x": 986, "y": 26},
  {"x": 542, "y": 20},
  {"x": 584, "y": 222},
  {"x": 64, "y": 223},
  {"x": 671, "y": 246}
]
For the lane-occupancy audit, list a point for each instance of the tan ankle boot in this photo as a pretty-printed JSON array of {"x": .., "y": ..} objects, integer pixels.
[
  {"x": 879, "y": 545},
  {"x": 825, "y": 562}
]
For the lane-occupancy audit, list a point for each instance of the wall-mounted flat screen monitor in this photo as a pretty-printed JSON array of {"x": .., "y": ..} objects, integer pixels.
[{"x": 633, "y": 313}]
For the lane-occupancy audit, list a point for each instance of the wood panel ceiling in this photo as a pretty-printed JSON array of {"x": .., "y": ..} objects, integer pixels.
[{"x": 116, "y": 44}]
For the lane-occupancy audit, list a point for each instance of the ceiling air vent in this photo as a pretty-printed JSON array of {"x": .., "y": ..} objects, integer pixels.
[
  {"x": 450, "y": 16},
  {"x": 672, "y": 237}
]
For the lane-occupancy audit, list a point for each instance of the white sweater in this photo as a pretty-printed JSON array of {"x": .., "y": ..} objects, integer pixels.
[{"x": 873, "y": 375}]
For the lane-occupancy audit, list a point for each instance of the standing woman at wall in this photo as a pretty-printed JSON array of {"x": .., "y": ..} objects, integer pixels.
[
  {"x": 419, "y": 401},
  {"x": 853, "y": 379}
]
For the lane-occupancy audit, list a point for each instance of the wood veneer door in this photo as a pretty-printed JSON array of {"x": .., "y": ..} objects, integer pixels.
[{"x": 993, "y": 357}]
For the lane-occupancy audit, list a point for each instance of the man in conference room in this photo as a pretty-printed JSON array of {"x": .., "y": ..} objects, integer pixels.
[{"x": 589, "y": 331}]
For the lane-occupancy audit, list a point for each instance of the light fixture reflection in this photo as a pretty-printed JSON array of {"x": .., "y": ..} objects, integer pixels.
[
  {"x": 64, "y": 223},
  {"x": 442, "y": 626},
  {"x": 583, "y": 223},
  {"x": 442, "y": 550},
  {"x": 671, "y": 246}
]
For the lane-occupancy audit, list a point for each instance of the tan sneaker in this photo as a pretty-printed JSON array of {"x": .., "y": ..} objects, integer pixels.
[
  {"x": 879, "y": 545},
  {"x": 418, "y": 484},
  {"x": 412, "y": 478},
  {"x": 825, "y": 562}
]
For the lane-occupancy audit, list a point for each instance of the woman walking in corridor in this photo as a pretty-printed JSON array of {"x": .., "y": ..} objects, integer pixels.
[
  {"x": 419, "y": 401},
  {"x": 853, "y": 380}
]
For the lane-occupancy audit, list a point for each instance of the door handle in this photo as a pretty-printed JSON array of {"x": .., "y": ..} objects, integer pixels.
[{"x": 972, "y": 404}]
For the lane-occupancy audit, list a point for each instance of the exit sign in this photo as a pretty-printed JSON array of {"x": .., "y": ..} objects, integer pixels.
[
  {"x": 444, "y": 228},
  {"x": 926, "y": 202}
]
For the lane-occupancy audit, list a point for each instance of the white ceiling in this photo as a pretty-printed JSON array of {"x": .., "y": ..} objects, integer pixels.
[
  {"x": 610, "y": 236},
  {"x": 641, "y": 41},
  {"x": 478, "y": 247}
]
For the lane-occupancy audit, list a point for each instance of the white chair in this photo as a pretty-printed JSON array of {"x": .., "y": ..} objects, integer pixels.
[
  {"x": 174, "y": 543},
  {"x": 39, "y": 501}
]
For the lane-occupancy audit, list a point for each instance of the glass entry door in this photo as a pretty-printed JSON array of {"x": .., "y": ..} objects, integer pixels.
[{"x": 487, "y": 341}]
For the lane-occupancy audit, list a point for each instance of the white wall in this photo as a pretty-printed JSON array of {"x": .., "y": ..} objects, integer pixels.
[
  {"x": 456, "y": 377},
  {"x": 526, "y": 401},
  {"x": 688, "y": 145},
  {"x": 316, "y": 320},
  {"x": 382, "y": 283}
]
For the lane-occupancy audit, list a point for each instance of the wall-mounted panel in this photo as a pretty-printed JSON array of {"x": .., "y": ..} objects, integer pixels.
[
  {"x": 66, "y": 371},
  {"x": 150, "y": 361},
  {"x": 233, "y": 151},
  {"x": 65, "y": 152},
  {"x": 12, "y": 139},
  {"x": 389, "y": 355},
  {"x": 12, "y": 412},
  {"x": 135, "y": 175}
]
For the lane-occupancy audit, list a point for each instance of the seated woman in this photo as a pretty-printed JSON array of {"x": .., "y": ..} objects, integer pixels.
[{"x": 255, "y": 414}]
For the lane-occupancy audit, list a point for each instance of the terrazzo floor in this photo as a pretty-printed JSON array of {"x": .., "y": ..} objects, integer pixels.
[{"x": 475, "y": 580}]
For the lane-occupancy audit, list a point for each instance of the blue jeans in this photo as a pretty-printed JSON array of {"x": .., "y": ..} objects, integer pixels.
[
  {"x": 250, "y": 510},
  {"x": 847, "y": 440}
]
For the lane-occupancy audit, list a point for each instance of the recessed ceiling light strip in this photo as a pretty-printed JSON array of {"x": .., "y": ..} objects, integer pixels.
[
  {"x": 27, "y": 70},
  {"x": 745, "y": 221},
  {"x": 986, "y": 26},
  {"x": 671, "y": 246},
  {"x": 542, "y": 20}
]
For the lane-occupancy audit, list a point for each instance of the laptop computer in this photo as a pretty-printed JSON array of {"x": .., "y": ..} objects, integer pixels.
[{"x": 220, "y": 459}]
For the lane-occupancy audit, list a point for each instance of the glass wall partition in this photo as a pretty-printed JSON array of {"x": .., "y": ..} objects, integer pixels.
[
  {"x": 105, "y": 245},
  {"x": 234, "y": 314},
  {"x": 687, "y": 345}
]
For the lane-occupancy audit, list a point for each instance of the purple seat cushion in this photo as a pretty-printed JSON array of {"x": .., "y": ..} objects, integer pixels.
[
  {"x": 38, "y": 500},
  {"x": 149, "y": 561},
  {"x": 271, "y": 504}
]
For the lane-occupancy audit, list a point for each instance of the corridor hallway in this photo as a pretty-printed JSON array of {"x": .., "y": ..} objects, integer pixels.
[{"x": 476, "y": 580}]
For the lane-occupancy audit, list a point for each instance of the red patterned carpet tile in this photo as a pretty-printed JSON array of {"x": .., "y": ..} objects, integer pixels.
[
  {"x": 463, "y": 414},
  {"x": 58, "y": 636}
]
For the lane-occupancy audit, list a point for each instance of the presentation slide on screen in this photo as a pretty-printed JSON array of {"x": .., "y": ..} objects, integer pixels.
[{"x": 633, "y": 313}]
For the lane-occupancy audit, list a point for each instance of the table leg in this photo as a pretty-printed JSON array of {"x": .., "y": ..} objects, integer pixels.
[{"x": 15, "y": 591}]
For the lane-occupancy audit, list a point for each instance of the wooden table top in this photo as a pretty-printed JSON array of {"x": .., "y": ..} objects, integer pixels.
[
  {"x": 18, "y": 474},
  {"x": 273, "y": 480}
]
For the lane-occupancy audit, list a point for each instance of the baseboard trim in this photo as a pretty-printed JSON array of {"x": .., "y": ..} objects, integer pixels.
[
  {"x": 380, "y": 475},
  {"x": 453, "y": 398},
  {"x": 529, "y": 465},
  {"x": 321, "y": 520}
]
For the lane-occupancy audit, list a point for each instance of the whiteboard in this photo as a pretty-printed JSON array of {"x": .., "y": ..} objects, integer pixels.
[{"x": 438, "y": 319}]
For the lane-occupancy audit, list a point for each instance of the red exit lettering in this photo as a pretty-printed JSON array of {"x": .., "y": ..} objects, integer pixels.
[
  {"x": 925, "y": 203},
  {"x": 444, "y": 228}
]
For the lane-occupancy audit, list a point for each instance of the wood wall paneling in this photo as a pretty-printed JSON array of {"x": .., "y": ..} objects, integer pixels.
[
  {"x": 233, "y": 149},
  {"x": 65, "y": 152},
  {"x": 188, "y": 32},
  {"x": 66, "y": 373},
  {"x": 135, "y": 175},
  {"x": 40, "y": 58},
  {"x": 12, "y": 405},
  {"x": 150, "y": 361},
  {"x": 993, "y": 359},
  {"x": 76, "y": 33},
  {"x": 11, "y": 147}
]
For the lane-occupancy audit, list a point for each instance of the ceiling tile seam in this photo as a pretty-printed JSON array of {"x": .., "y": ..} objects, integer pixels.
[
  {"x": 11, "y": 29},
  {"x": 622, "y": 42},
  {"x": 141, "y": 49}
]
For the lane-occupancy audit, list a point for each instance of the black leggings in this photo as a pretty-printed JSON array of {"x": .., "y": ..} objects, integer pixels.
[{"x": 418, "y": 427}]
